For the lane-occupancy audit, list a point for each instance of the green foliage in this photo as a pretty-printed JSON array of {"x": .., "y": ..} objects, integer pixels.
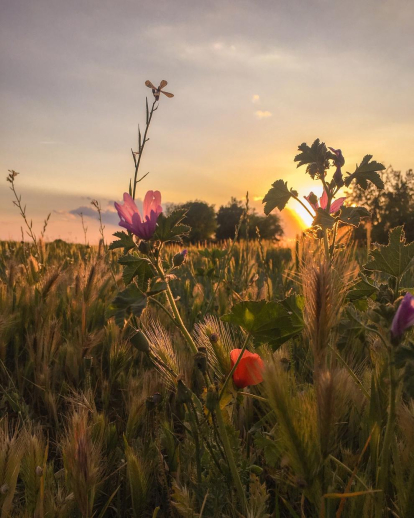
[
  {"x": 395, "y": 258},
  {"x": 323, "y": 219},
  {"x": 201, "y": 219},
  {"x": 352, "y": 215},
  {"x": 266, "y": 321},
  {"x": 316, "y": 158},
  {"x": 125, "y": 241},
  {"x": 130, "y": 301},
  {"x": 277, "y": 196},
  {"x": 233, "y": 215},
  {"x": 390, "y": 207},
  {"x": 136, "y": 266},
  {"x": 366, "y": 171},
  {"x": 170, "y": 229}
]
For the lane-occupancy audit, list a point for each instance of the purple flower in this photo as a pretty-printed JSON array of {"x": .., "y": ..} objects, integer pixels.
[
  {"x": 404, "y": 317},
  {"x": 131, "y": 218},
  {"x": 339, "y": 162}
]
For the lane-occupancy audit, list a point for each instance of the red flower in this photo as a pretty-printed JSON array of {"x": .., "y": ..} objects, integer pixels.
[{"x": 249, "y": 369}]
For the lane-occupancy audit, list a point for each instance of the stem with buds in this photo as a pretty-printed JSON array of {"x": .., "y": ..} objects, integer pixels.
[{"x": 141, "y": 144}]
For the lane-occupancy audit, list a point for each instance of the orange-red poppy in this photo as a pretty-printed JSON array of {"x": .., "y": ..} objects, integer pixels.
[{"x": 249, "y": 369}]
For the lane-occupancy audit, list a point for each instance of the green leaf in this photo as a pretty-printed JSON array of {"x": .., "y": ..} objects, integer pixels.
[
  {"x": 362, "y": 289},
  {"x": 277, "y": 196},
  {"x": 394, "y": 258},
  {"x": 315, "y": 157},
  {"x": 135, "y": 266},
  {"x": 323, "y": 219},
  {"x": 127, "y": 302},
  {"x": 352, "y": 215},
  {"x": 266, "y": 321},
  {"x": 125, "y": 241},
  {"x": 403, "y": 354},
  {"x": 366, "y": 171},
  {"x": 170, "y": 228}
]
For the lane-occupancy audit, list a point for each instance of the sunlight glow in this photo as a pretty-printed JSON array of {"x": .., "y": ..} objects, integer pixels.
[{"x": 304, "y": 218}]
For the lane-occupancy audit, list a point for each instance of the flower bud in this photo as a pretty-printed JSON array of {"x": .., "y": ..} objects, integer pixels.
[
  {"x": 200, "y": 361},
  {"x": 144, "y": 247},
  {"x": 214, "y": 338},
  {"x": 140, "y": 342},
  {"x": 183, "y": 394},
  {"x": 157, "y": 398},
  {"x": 179, "y": 258}
]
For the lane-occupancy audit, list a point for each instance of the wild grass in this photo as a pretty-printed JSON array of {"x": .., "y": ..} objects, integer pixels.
[{"x": 96, "y": 422}]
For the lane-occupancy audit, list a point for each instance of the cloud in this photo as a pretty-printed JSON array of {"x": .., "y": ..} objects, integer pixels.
[
  {"x": 109, "y": 216},
  {"x": 255, "y": 98},
  {"x": 262, "y": 114}
]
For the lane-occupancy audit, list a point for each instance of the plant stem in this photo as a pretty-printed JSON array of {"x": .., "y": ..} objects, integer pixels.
[
  {"x": 303, "y": 205},
  {"x": 178, "y": 320},
  {"x": 326, "y": 244},
  {"x": 142, "y": 145},
  {"x": 230, "y": 457},
  {"x": 230, "y": 374},
  {"x": 389, "y": 430}
]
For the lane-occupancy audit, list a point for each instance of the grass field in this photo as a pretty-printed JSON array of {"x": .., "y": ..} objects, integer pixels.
[{"x": 99, "y": 420}]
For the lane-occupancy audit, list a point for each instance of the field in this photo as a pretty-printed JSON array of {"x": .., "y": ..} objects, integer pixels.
[{"x": 110, "y": 409}]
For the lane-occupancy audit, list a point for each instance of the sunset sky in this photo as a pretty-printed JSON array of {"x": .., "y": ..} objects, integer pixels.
[{"x": 251, "y": 79}]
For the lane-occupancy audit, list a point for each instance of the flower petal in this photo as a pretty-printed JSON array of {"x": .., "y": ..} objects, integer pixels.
[
  {"x": 324, "y": 200},
  {"x": 336, "y": 205}
]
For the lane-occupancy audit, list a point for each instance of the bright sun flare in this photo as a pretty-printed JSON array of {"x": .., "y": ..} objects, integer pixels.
[{"x": 304, "y": 216}]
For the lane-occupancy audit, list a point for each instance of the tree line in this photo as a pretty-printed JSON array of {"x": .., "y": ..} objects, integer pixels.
[{"x": 207, "y": 224}]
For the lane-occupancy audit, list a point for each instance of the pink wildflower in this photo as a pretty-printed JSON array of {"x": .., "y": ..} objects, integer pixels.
[
  {"x": 323, "y": 202},
  {"x": 131, "y": 218}
]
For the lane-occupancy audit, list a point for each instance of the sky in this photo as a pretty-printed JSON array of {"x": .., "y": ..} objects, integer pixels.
[{"x": 251, "y": 81}]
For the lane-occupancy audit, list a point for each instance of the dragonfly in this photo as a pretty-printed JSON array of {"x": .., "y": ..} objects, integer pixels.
[{"x": 156, "y": 91}]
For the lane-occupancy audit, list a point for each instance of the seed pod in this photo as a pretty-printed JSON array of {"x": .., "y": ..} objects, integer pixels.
[
  {"x": 140, "y": 342},
  {"x": 214, "y": 338},
  {"x": 157, "y": 398},
  {"x": 200, "y": 361}
]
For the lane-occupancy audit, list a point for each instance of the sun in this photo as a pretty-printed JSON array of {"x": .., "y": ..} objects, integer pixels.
[{"x": 303, "y": 216}]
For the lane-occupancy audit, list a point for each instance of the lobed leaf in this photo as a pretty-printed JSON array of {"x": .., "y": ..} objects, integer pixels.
[
  {"x": 395, "y": 258},
  {"x": 278, "y": 196}
]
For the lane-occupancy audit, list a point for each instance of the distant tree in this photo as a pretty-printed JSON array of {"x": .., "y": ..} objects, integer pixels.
[
  {"x": 391, "y": 207},
  {"x": 228, "y": 217},
  {"x": 200, "y": 217}
]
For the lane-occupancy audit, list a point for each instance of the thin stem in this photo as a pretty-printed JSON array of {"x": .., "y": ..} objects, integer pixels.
[
  {"x": 196, "y": 443},
  {"x": 230, "y": 374},
  {"x": 142, "y": 145},
  {"x": 230, "y": 457},
  {"x": 177, "y": 316},
  {"x": 253, "y": 396},
  {"x": 325, "y": 243},
  {"x": 18, "y": 203},
  {"x": 351, "y": 372},
  {"x": 161, "y": 306},
  {"x": 389, "y": 430},
  {"x": 303, "y": 205}
]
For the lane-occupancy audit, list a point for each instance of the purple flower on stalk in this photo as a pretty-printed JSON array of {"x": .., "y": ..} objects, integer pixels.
[
  {"x": 131, "y": 218},
  {"x": 323, "y": 202},
  {"x": 339, "y": 162},
  {"x": 404, "y": 317}
]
